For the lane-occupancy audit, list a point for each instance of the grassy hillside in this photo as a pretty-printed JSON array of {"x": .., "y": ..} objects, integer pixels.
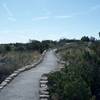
[{"x": 80, "y": 80}]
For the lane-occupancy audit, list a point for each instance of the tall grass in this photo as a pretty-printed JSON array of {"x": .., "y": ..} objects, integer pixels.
[{"x": 13, "y": 60}]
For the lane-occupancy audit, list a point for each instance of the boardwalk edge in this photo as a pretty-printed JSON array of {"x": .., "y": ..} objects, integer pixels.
[
  {"x": 18, "y": 71},
  {"x": 44, "y": 90}
]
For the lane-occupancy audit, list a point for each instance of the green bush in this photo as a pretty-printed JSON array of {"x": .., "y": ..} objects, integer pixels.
[{"x": 80, "y": 80}]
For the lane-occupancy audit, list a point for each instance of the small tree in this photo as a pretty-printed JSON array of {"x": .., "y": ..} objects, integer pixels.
[
  {"x": 99, "y": 34},
  {"x": 92, "y": 39},
  {"x": 85, "y": 38},
  {"x": 7, "y": 47}
]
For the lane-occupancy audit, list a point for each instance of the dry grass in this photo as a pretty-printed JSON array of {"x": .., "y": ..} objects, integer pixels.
[{"x": 13, "y": 60}]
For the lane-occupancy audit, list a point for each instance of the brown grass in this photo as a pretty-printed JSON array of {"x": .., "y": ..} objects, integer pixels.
[{"x": 11, "y": 61}]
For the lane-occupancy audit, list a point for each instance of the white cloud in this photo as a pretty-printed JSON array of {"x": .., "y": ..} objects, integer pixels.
[
  {"x": 63, "y": 16},
  {"x": 91, "y": 10},
  {"x": 48, "y": 17},
  {"x": 88, "y": 11},
  {"x": 7, "y": 9},
  {"x": 10, "y": 14},
  {"x": 40, "y": 18}
]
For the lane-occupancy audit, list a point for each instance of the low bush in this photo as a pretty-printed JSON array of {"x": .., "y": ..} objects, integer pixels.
[{"x": 80, "y": 80}]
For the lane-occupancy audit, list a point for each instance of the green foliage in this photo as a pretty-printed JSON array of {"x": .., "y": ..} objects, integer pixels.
[
  {"x": 33, "y": 45},
  {"x": 46, "y": 44},
  {"x": 63, "y": 41},
  {"x": 66, "y": 86},
  {"x": 7, "y": 48},
  {"x": 92, "y": 39},
  {"x": 85, "y": 38},
  {"x": 80, "y": 80},
  {"x": 99, "y": 34}
]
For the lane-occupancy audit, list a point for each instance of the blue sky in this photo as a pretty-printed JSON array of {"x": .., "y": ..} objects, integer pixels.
[{"x": 21, "y": 20}]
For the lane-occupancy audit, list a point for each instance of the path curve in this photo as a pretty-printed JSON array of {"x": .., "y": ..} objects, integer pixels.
[{"x": 26, "y": 85}]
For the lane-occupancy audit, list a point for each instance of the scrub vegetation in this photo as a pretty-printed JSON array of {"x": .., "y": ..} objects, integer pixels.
[
  {"x": 80, "y": 77},
  {"x": 17, "y": 55}
]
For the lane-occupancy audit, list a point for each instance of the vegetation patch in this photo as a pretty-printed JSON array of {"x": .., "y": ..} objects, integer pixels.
[
  {"x": 16, "y": 55},
  {"x": 80, "y": 80},
  {"x": 11, "y": 61}
]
